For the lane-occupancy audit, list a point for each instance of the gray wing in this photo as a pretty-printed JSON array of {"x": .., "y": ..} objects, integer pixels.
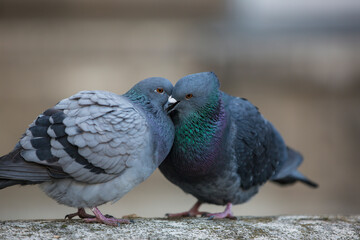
[
  {"x": 258, "y": 147},
  {"x": 92, "y": 136}
]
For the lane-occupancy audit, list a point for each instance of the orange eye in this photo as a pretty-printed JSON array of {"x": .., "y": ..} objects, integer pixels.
[
  {"x": 188, "y": 96},
  {"x": 160, "y": 90}
]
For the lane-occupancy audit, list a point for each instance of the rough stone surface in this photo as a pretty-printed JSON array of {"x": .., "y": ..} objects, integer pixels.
[{"x": 280, "y": 227}]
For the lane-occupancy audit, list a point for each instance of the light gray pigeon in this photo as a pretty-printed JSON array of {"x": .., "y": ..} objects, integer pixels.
[
  {"x": 94, "y": 147},
  {"x": 224, "y": 149}
]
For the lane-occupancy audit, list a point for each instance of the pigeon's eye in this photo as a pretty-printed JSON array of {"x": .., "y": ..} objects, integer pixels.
[
  {"x": 159, "y": 90},
  {"x": 188, "y": 96}
]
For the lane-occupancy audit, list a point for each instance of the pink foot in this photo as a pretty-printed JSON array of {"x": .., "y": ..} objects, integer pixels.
[
  {"x": 80, "y": 213},
  {"x": 100, "y": 218},
  {"x": 193, "y": 212},
  {"x": 226, "y": 214}
]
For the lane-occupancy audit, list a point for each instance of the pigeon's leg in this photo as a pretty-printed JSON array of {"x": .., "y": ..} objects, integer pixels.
[
  {"x": 80, "y": 213},
  {"x": 193, "y": 212},
  {"x": 226, "y": 214},
  {"x": 100, "y": 218}
]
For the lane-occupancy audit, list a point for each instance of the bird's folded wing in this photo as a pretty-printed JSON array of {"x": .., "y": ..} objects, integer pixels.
[
  {"x": 92, "y": 137},
  {"x": 257, "y": 146}
]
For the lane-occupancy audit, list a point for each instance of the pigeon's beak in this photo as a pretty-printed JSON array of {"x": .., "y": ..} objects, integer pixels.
[{"x": 171, "y": 104}]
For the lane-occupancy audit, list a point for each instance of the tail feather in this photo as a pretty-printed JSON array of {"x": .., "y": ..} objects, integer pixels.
[
  {"x": 293, "y": 161},
  {"x": 15, "y": 170},
  {"x": 4, "y": 183},
  {"x": 288, "y": 174},
  {"x": 295, "y": 177}
]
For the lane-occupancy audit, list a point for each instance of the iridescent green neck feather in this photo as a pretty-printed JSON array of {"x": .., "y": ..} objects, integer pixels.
[
  {"x": 195, "y": 135},
  {"x": 137, "y": 97}
]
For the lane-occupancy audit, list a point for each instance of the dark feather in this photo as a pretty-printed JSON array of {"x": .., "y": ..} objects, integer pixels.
[
  {"x": 14, "y": 169},
  {"x": 58, "y": 117},
  {"x": 39, "y": 131},
  {"x": 4, "y": 183},
  {"x": 249, "y": 151},
  {"x": 42, "y": 121},
  {"x": 42, "y": 142},
  {"x": 59, "y": 129},
  {"x": 72, "y": 151},
  {"x": 293, "y": 178}
]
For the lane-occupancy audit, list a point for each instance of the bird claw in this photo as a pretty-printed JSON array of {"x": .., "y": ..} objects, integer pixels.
[
  {"x": 226, "y": 214},
  {"x": 80, "y": 213},
  {"x": 193, "y": 212},
  {"x": 100, "y": 218},
  {"x": 204, "y": 214}
]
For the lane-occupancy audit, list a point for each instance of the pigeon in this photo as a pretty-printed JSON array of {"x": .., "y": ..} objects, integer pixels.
[
  {"x": 94, "y": 147},
  {"x": 224, "y": 149}
]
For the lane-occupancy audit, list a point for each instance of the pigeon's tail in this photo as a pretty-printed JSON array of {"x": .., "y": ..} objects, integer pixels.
[
  {"x": 294, "y": 177},
  {"x": 289, "y": 174},
  {"x": 4, "y": 183},
  {"x": 15, "y": 170}
]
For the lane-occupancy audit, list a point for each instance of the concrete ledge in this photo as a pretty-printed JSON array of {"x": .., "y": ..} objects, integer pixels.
[{"x": 280, "y": 227}]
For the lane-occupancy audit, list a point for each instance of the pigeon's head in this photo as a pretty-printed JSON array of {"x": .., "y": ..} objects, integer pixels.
[
  {"x": 156, "y": 89},
  {"x": 193, "y": 92}
]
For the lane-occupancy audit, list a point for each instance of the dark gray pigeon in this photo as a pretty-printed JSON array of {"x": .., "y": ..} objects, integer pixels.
[
  {"x": 94, "y": 147},
  {"x": 224, "y": 149}
]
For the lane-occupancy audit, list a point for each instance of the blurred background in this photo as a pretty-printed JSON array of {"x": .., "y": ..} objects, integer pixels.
[{"x": 298, "y": 61}]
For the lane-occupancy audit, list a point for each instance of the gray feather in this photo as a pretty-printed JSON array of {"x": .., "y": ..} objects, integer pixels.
[{"x": 94, "y": 146}]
